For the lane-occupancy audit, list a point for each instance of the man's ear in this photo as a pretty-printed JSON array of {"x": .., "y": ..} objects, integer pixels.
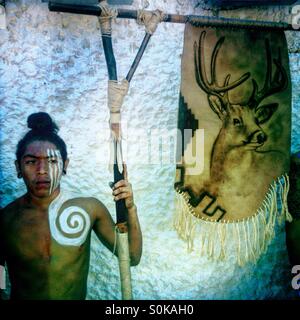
[
  {"x": 18, "y": 169},
  {"x": 66, "y": 166}
]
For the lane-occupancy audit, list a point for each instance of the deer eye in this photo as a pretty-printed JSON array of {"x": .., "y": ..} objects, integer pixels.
[{"x": 237, "y": 122}]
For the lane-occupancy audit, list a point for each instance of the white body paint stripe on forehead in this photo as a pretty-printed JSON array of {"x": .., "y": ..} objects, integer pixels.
[{"x": 71, "y": 221}]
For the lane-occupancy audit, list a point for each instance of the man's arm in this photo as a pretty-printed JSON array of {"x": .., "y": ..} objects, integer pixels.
[
  {"x": 293, "y": 228},
  {"x": 104, "y": 226},
  {"x": 134, "y": 236}
]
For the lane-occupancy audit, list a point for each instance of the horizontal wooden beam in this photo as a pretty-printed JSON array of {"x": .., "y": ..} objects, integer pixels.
[
  {"x": 176, "y": 18},
  {"x": 243, "y": 3}
]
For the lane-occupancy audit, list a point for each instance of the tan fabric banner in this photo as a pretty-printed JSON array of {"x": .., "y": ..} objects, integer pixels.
[{"x": 235, "y": 123}]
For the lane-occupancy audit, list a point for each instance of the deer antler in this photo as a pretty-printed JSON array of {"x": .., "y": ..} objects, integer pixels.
[
  {"x": 212, "y": 88},
  {"x": 271, "y": 86}
]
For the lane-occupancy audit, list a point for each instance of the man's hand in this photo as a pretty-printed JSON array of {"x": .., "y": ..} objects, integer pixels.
[{"x": 123, "y": 190}]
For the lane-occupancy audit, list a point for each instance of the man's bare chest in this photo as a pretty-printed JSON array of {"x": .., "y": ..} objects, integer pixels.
[
  {"x": 61, "y": 229},
  {"x": 27, "y": 235}
]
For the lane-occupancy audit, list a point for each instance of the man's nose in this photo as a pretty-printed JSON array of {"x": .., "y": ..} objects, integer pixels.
[{"x": 42, "y": 167}]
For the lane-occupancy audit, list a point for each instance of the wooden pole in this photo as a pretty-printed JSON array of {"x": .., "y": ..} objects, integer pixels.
[
  {"x": 122, "y": 228},
  {"x": 121, "y": 210},
  {"x": 176, "y": 18},
  {"x": 138, "y": 57},
  {"x": 109, "y": 58}
]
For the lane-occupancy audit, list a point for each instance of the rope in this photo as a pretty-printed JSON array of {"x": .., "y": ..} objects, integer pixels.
[
  {"x": 107, "y": 14},
  {"x": 116, "y": 93},
  {"x": 150, "y": 19}
]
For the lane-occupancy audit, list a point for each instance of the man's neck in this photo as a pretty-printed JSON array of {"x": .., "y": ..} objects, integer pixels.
[{"x": 41, "y": 202}]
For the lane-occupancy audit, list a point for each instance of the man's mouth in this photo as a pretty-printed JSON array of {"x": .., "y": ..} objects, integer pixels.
[{"x": 42, "y": 184}]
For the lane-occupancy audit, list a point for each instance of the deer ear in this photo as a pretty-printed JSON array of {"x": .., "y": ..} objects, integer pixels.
[
  {"x": 265, "y": 112},
  {"x": 217, "y": 105}
]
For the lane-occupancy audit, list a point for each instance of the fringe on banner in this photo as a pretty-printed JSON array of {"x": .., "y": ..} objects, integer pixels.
[{"x": 251, "y": 236}]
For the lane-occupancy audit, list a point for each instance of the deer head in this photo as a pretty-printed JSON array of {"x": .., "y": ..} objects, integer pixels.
[{"x": 240, "y": 122}]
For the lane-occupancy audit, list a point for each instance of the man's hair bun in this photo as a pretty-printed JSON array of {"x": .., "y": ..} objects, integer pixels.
[
  {"x": 41, "y": 122},
  {"x": 43, "y": 128}
]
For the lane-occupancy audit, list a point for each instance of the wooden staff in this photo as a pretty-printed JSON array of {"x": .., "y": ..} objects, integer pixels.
[
  {"x": 138, "y": 56},
  {"x": 176, "y": 18},
  {"x": 121, "y": 210}
]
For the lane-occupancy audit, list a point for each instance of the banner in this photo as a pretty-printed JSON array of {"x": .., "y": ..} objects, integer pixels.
[{"x": 234, "y": 149}]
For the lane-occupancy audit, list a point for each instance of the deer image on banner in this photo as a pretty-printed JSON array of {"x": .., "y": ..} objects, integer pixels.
[
  {"x": 236, "y": 89},
  {"x": 241, "y": 129}
]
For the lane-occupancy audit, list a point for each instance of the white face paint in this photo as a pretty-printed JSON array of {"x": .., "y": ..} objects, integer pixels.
[
  {"x": 55, "y": 168},
  {"x": 71, "y": 226}
]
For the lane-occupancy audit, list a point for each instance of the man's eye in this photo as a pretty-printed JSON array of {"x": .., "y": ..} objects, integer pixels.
[
  {"x": 30, "y": 162},
  {"x": 52, "y": 161}
]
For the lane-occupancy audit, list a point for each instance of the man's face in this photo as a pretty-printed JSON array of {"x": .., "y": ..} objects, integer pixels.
[{"x": 41, "y": 167}]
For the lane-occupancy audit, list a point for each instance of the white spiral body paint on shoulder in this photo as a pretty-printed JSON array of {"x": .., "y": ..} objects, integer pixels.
[
  {"x": 55, "y": 169},
  {"x": 71, "y": 226}
]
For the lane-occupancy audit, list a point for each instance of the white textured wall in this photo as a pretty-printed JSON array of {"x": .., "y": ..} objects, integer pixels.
[{"x": 55, "y": 63}]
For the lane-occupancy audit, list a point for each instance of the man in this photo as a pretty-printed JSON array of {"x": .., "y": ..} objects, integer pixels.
[{"x": 45, "y": 234}]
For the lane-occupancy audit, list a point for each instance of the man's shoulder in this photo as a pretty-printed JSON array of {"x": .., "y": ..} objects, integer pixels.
[
  {"x": 81, "y": 199},
  {"x": 10, "y": 209},
  {"x": 90, "y": 204}
]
